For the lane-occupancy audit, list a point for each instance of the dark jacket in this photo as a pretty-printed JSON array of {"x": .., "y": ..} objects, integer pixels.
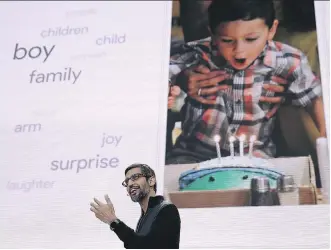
[{"x": 158, "y": 228}]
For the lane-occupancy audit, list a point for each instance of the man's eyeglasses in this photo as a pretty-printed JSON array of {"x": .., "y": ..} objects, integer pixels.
[{"x": 133, "y": 177}]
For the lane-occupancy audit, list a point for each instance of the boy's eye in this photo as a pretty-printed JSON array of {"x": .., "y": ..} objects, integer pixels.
[
  {"x": 251, "y": 39},
  {"x": 226, "y": 40}
]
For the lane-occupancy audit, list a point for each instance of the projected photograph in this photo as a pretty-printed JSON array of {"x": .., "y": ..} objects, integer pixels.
[{"x": 245, "y": 121}]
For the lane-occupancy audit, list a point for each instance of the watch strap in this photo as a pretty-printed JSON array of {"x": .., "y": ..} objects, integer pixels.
[{"x": 113, "y": 224}]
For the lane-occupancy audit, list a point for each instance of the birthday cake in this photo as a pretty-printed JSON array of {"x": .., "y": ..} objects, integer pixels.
[
  {"x": 232, "y": 172},
  {"x": 224, "y": 173}
]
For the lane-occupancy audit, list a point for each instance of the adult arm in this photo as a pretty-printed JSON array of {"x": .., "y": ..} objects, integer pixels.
[
  {"x": 166, "y": 227},
  {"x": 316, "y": 110},
  {"x": 200, "y": 77},
  {"x": 306, "y": 91}
]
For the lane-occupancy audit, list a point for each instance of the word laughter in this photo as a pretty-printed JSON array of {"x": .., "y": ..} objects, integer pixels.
[
  {"x": 68, "y": 75},
  {"x": 27, "y": 186}
]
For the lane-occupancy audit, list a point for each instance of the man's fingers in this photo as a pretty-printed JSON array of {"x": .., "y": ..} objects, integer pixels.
[
  {"x": 195, "y": 77},
  {"x": 108, "y": 199},
  {"x": 212, "y": 90},
  {"x": 274, "y": 88},
  {"x": 222, "y": 87},
  {"x": 212, "y": 82},
  {"x": 193, "y": 94},
  {"x": 93, "y": 205},
  {"x": 109, "y": 203},
  {"x": 202, "y": 69},
  {"x": 93, "y": 210},
  {"x": 205, "y": 101},
  {"x": 271, "y": 99},
  {"x": 98, "y": 202}
]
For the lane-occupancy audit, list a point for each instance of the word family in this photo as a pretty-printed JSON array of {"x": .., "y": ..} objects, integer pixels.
[{"x": 68, "y": 75}]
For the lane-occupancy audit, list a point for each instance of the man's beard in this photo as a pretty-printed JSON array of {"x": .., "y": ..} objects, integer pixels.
[{"x": 139, "y": 196}]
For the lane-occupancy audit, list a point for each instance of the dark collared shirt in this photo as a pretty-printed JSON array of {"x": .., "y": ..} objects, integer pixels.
[{"x": 164, "y": 232}]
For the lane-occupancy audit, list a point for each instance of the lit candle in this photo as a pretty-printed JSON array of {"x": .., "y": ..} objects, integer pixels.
[
  {"x": 252, "y": 139},
  {"x": 241, "y": 145},
  {"x": 232, "y": 140},
  {"x": 217, "y": 139}
]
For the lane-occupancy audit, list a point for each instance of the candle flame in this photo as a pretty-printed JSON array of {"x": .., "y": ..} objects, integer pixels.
[
  {"x": 242, "y": 137},
  {"x": 217, "y": 138}
]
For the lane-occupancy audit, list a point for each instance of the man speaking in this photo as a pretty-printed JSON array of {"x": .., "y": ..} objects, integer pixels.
[{"x": 159, "y": 223}]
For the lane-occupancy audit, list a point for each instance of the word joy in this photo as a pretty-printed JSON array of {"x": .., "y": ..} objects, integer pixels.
[
  {"x": 35, "y": 52},
  {"x": 110, "y": 139},
  {"x": 67, "y": 75}
]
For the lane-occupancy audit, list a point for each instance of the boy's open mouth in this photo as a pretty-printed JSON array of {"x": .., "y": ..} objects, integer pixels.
[{"x": 240, "y": 60}]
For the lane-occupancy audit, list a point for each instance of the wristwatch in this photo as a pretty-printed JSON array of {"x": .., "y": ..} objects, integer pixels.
[{"x": 113, "y": 224}]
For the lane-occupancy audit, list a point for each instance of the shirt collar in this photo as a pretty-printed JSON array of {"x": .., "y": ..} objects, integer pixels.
[
  {"x": 269, "y": 54},
  {"x": 153, "y": 201}
]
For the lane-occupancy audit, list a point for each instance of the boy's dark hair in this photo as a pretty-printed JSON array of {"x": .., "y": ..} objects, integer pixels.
[
  {"x": 221, "y": 11},
  {"x": 299, "y": 15},
  {"x": 146, "y": 170}
]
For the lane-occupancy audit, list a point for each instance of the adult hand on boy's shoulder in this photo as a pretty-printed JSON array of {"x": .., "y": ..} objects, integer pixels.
[
  {"x": 203, "y": 85},
  {"x": 275, "y": 89}
]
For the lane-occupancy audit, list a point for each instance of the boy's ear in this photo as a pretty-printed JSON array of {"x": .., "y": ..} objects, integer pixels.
[{"x": 273, "y": 30}]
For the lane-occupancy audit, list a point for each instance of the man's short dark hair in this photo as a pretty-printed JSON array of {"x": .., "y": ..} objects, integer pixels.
[
  {"x": 145, "y": 170},
  {"x": 221, "y": 11}
]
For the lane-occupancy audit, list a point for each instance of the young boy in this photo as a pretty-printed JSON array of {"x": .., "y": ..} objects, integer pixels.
[{"x": 241, "y": 48}]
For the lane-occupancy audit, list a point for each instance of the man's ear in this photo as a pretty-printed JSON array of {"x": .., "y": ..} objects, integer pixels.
[
  {"x": 273, "y": 30},
  {"x": 152, "y": 181}
]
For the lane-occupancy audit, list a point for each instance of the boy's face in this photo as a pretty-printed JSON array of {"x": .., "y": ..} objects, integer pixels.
[{"x": 241, "y": 42}]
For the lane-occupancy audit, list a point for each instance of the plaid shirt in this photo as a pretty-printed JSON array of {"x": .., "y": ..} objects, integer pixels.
[{"x": 238, "y": 109}]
